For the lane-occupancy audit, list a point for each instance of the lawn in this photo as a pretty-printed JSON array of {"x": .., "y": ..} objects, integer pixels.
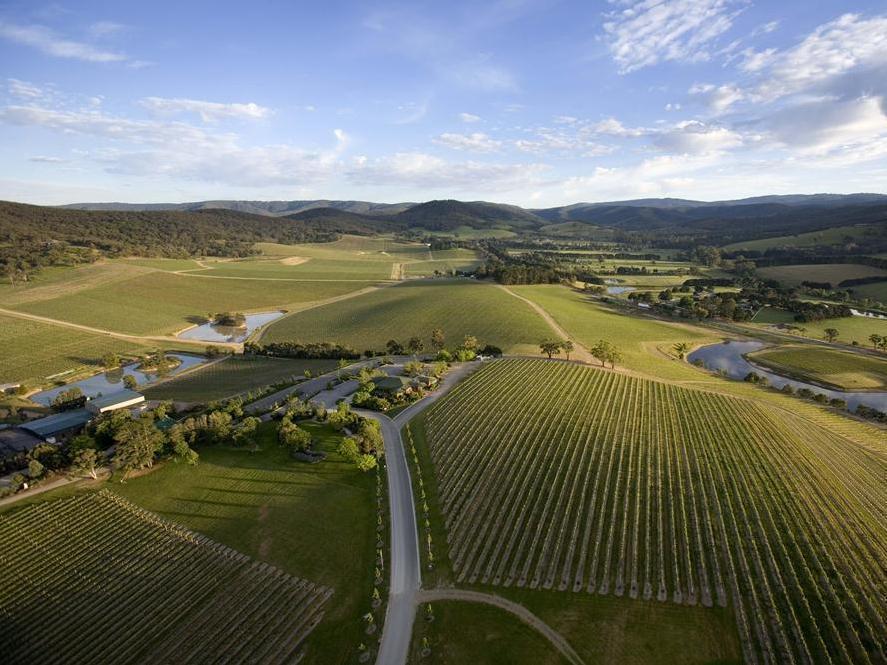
[
  {"x": 235, "y": 376},
  {"x": 833, "y": 273},
  {"x": 641, "y": 340},
  {"x": 162, "y": 302},
  {"x": 479, "y": 634},
  {"x": 843, "y": 370},
  {"x": 458, "y": 307},
  {"x": 31, "y": 351},
  {"x": 682, "y": 509}
]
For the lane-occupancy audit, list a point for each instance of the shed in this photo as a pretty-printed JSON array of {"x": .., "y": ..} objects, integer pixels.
[
  {"x": 120, "y": 400},
  {"x": 17, "y": 440},
  {"x": 393, "y": 385},
  {"x": 58, "y": 425}
]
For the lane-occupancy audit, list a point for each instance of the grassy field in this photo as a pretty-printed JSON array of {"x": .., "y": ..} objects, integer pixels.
[
  {"x": 639, "y": 339},
  {"x": 850, "y": 328},
  {"x": 308, "y": 269},
  {"x": 235, "y": 376},
  {"x": 834, "y": 273},
  {"x": 162, "y": 302},
  {"x": 652, "y": 493},
  {"x": 832, "y": 236},
  {"x": 458, "y": 307},
  {"x": 479, "y": 634},
  {"x": 839, "y": 369},
  {"x": 315, "y": 521},
  {"x": 178, "y": 597},
  {"x": 876, "y": 291},
  {"x": 31, "y": 351},
  {"x": 169, "y": 265}
]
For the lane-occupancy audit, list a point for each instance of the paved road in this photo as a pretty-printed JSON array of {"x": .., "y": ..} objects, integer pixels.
[{"x": 406, "y": 573}]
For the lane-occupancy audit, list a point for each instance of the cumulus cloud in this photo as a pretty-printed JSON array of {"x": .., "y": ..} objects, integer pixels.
[
  {"x": 647, "y": 32},
  {"x": 475, "y": 142},
  {"x": 417, "y": 169},
  {"x": 47, "y": 41},
  {"x": 208, "y": 111}
]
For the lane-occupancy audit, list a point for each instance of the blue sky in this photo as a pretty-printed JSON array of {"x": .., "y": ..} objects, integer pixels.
[{"x": 536, "y": 103}]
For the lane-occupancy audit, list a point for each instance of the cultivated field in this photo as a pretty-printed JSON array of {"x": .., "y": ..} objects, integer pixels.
[
  {"x": 841, "y": 369},
  {"x": 96, "y": 579},
  {"x": 458, "y": 307},
  {"x": 632, "y": 487},
  {"x": 235, "y": 376},
  {"x": 30, "y": 351},
  {"x": 162, "y": 302},
  {"x": 834, "y": 273}
]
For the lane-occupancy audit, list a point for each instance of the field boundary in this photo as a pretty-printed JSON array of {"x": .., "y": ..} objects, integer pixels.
[{"x": 526, "y": 616}]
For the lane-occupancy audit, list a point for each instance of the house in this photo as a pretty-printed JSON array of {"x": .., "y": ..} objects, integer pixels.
[
  {"x": 119, "y": 400},
  {"x": 59, "y": 425},
  {"x": 392, "y": 386}
]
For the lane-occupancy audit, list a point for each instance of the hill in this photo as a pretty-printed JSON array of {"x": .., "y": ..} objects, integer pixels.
[
  {"x": 271, "y": 208},
  {"x": 449, "y": 215}
]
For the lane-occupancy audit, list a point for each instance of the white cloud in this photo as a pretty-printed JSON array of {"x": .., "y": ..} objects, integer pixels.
[
  {"x": 101, "y": 29},
  {"x": 647, "y": 32},
  {"x": 765, "y": 28},
  {"x": 469, "y": 117},
  {"x": 613, "y": 127},
  {"x": 718, "y": 98},
  {"x": 46, "y": 159},
  {"x": 849, "y": 43},
  {"x": 475, "y": 142},
  {"x": 673, "y": 106},
  {"x": 24, "y": 89},
  {"x": 48, "y": 42},
  {"x": 694, "y": 137},
  {"x": 208, "y": 111},
  {"x": 413, "y": 169}
]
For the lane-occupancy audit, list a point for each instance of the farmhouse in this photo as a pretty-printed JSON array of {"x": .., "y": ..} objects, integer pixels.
[{"x": 120, "y": 400}]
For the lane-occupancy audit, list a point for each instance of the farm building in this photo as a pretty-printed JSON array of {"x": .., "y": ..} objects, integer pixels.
[
  {"x": 59, "y": 425},
  {"x": 121, "y": 400},
  {"x": 394, "y": 386},
  {"x": 16, "y": 440}
]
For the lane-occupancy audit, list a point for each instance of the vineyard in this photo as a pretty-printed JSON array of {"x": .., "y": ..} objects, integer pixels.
[
  {"x": 559, "y": 476},
  {"x": 96, "y": 579}
]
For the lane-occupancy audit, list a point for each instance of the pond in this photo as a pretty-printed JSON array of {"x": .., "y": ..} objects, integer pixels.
[
  {"x": 108, "y": 383},
  {"x": 209, "y": 332},
  {"x": 617, "y": 290},
  {"x": 728, "y": 357}
]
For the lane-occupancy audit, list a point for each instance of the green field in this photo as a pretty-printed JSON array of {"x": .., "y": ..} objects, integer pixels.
[
  {"x": 834, "y": 273},
  {"x": 161, "y": 302},
  {"x": 96, "y": 579},
  {"x": 458, "y": 307},
  {"x": 850, "y": 328},
  {"x": 833, "y": 236},
  {"x": 659, "y": 494},
  {"x": 839, "y": 369},
  {"x": 876, "y": 291},
  {"x": 169, "y": 265},
  {"x": 479, "y": 634},
  {"x": 235, "y": 376},
  {"x": 310, "y": 269},
  {"x": 310, "y": 520},
  {"x": 642, "y": 341},
  {"x": 31, "y": 351}
]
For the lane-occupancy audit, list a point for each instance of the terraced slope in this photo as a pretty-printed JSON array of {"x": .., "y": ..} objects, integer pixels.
[
  {"x": 557, "y": 476},
  {"x": 95, "y": 579}
]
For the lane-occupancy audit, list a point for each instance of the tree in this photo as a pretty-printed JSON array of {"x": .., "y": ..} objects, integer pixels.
[
  {"x": 606, "y": 352},
  {"x": 438, "y": 339},
  {"x": 831, "y": 334},
  {"x": 137, "y": 443},
  {"x": 129, "y": 382},
  {"x": 292, "y": 436},
  {"x": 35, "y": 469},
  {"x": 84, "y": 462},
  {"x": 469, "y": 343},
  {"x": 185, "y": 452},
  {"x": 246, "y": 430},
  {"x": 394, "y": 347},
  {"x": 416, "y": 346},
  {"x": 681, "y": 349},
  {"x": 342, "y": 364},
  {"x": 413, "y": 368},
  {"x": 110, "y": 360},
  {"x": 567, "y": 347},
  {"x": 550, "y": 347},
  {"x": 875, "y": 339},
  {"x": 367, "y": 462},
  {"x": 72, "y": 398},
  {"x": 349, "y": 449}
]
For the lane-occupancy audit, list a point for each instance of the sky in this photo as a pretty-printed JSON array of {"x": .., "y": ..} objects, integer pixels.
[{"x": 531, "y": 102}]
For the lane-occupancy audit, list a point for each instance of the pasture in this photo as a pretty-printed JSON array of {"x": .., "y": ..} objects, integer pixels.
[
  {"x": 850, "y": 328},
  {"x": 234, "y": 376},
  {"x": 644, "y": 342},
  {"x": 833, "y": 236},
  {"x": 458, "y": 307},
  {"x": 834, "y": 273},
  {"x": 876, "y": 291},
  {"x": 31, "y": 351},
  {"x": 839, "y": 369},
  {"x": 627, "y": 487},
  {"x": 94, "y": 578}
]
